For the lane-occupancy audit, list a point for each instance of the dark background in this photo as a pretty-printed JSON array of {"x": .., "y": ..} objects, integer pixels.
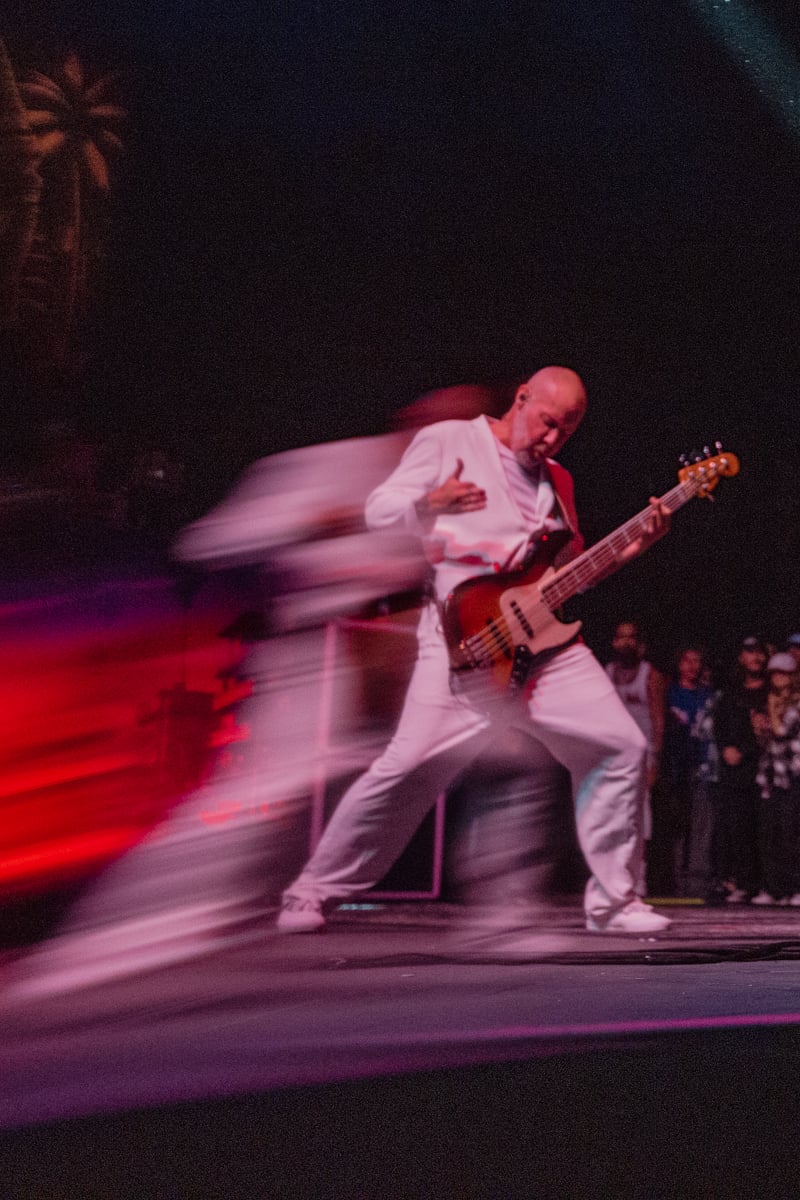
[{"x": 326, "y": 209}]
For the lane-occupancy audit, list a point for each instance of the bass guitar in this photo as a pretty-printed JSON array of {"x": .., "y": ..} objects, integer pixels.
[{"x": 498, "y": 626}]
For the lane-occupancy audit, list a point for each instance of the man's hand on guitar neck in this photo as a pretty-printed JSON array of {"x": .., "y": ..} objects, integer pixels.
[
  {"x": 657, "y": 525},
  {"x": 452, "y": 496}
]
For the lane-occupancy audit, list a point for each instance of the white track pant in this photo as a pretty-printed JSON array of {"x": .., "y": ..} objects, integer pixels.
[{"x": 574, "y": 712}]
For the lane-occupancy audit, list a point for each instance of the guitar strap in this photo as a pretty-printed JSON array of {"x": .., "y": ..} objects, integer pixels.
[
  {"x": 563, "y": 507},
  {"x": 562, "y": 486}
]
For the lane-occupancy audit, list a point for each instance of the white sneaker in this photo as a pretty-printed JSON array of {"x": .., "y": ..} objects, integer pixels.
[
  {"x": 635, "y": 917},
  {"x": 795, "y": 900},
  {"x": 300, "y": 916},
  {"x": 763, "y": 898}
]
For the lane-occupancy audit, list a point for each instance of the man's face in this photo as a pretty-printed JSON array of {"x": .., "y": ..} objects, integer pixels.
[
  {"x": 545, "y": 414},
  {"x": 753, "y": 660},
  {"x": 689, "y": 667},
  {"x": 780, "y": 682},
  {"x": 626, "y": 643}
]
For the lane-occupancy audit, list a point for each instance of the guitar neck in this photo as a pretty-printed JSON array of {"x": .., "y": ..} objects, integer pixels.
[{"x": 602, "y": 558}]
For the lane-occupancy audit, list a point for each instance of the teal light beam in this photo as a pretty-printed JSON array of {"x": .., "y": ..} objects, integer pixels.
[{"x": 757, "y": 47}]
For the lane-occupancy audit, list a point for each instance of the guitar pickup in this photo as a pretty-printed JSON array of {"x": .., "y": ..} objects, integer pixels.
[{"x": 523, "y": 620}]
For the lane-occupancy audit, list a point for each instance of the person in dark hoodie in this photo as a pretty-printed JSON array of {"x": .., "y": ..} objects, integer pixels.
[{"x": 739, "y": 728}]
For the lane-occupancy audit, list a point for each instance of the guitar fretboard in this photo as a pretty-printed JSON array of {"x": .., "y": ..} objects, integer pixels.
[
  {"x": 603, "y": 557},
  {"x": 496, "y": 640}
]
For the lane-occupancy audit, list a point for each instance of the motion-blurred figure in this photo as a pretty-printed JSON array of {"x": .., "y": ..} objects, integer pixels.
[{"x": 229, "y": 847}]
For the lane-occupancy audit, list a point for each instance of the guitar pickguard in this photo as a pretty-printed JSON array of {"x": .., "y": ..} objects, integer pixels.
[{"x": 497, "y": 627}]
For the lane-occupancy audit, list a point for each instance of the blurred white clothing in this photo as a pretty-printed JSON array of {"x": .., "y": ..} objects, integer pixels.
[{"x": 573, "y": 710}]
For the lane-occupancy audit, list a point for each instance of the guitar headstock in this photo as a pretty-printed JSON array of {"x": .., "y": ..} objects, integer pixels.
[{"x": 706, "y": 469}]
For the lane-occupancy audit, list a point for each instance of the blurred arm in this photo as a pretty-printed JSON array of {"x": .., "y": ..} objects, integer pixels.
[{"x": 399, "y": 502}]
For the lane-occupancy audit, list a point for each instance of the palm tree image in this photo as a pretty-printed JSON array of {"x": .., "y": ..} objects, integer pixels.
[
  {"x": 75, "y": 127},
  {"x": 20, "y": 189}
]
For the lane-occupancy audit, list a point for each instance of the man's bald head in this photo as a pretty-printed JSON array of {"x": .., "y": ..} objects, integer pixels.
[
  {"x": 546, "y": 411},
  {"x": 557, "y": 382}
]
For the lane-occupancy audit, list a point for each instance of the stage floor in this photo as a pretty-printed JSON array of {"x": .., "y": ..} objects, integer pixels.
[
  {"x": 411, "y": 1050},
  {"x": 385, "y": 989}
]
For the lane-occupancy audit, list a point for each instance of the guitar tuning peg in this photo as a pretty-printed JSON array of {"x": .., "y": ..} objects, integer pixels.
[
  {"x": 697, "y": 457},
  {"x": 683, "y": 459},
  {"x": 718, "y": 447},
  {"x": 706, "y": 452}
]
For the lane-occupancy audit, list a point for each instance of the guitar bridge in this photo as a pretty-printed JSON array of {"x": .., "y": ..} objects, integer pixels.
[{"x": 468, "y": 656}]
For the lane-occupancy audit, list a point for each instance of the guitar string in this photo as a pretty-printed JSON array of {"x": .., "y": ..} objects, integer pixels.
[
  {"x": 498, "y": 632},
  {"x": 572, "y": 576},
  {"x": 480, "y": 644},
  {"x": 604, "y": 554}
]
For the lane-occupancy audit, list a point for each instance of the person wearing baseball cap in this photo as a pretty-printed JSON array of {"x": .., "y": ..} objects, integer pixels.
[
  {"x": 778, "y": 779},
  {"x": 793, "y": 648},
  {"x": 783, "y": 663}
]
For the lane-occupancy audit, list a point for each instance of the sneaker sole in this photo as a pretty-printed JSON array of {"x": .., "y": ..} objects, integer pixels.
[
  {"x": 287, "y": 927},
  {"x": 593, "y": 927}
]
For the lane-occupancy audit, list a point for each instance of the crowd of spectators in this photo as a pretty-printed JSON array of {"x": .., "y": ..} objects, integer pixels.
[{"x": 725, "y": 782}]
